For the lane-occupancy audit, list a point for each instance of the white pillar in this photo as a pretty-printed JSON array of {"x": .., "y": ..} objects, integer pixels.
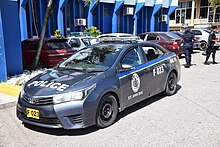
[{"x": 193, "y": 13}]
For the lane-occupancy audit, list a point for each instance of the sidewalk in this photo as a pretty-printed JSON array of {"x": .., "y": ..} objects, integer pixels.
[
  {"x": 8, "y": 95},
  {"x": 7, "y": 101}
]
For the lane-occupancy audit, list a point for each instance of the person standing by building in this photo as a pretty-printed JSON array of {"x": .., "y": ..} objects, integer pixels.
[
  {"x": 211, "y": 46},
  {"x": 187, "y": 39}
]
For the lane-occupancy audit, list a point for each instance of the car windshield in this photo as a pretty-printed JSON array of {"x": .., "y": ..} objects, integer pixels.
[
  {"x": 58, "y": 45},
  {"x": 92, "y": 59},
  {"x": 208, "y": 31},
  {"x": 171, "y": 36},
  {"x": 89, "y": 41}
]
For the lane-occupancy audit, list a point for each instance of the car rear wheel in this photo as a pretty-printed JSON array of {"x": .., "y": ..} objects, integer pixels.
[
  {"x": 171, "y": 84},
  {"x": 203, "y": 45},
  {"x": 107, "y": 111}
]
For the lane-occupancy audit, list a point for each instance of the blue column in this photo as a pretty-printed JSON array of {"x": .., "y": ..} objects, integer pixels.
[
  {"x": 90, "y": 16},
  {"x": 170, "y": 11},
  {"x": 30, "y": 29},
  {"x": 11, "y": 34},
  {"x": 156, "y": 8},
  {"x": 23, "y": 19},
  {"x": 3, "y": 71},
  {"x": 118, "y": 5},
  {"x": 60, "y": 18},
  {"x": 138, "y": 7}
]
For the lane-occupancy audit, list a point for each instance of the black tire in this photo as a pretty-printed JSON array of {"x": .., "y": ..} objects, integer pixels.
[
  {"x": 203, "y": 45},
  {"x": 107, "y": 111},
  {"x": 171, "y": 85}
]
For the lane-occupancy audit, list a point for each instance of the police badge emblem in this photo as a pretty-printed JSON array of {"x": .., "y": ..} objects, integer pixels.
[{"x": 135, "y": 82}]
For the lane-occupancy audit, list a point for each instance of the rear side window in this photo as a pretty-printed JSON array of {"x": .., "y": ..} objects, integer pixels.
[
  {"x": 152, "y": 52},
  {"x": 151, "y": 37},
  {"x": 171, "y": 36},
  {"x": 57, "y": 45},
  {"x": 196, "y": 32}
]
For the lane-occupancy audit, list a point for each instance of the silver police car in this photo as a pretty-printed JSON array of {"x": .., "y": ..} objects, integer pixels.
[{"x": 96, "y": 83}]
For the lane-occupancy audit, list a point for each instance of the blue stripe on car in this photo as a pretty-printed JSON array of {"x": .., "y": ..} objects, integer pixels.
[{"x": 146, "y": 65}]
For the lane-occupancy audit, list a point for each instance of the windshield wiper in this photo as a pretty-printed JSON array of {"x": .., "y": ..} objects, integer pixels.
[
  {"x": 90, "y": 71},
  {"x": 76, "y": 69}
]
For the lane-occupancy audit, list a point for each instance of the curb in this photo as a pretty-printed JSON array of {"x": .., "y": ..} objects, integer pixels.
[
  {"x": 8, "y": 105},
  {"x": 9, "y": 89},
  {"x": 8, "y": 95}
]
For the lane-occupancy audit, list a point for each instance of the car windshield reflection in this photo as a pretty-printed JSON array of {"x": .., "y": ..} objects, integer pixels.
[{"x": 92, "y": 59}]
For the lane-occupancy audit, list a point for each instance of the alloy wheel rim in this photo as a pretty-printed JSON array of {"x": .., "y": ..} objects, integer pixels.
[
  {"x": 106, "y": 111},
  {"x": 171, "y": 83}
]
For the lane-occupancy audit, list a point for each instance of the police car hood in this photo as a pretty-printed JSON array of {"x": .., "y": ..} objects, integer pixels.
[{"x": 52, "y": 82}]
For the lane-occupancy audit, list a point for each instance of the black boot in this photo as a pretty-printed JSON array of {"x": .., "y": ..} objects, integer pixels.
[{"x": 187, "y": 65}]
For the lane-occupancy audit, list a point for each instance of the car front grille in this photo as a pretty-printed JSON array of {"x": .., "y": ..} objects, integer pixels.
[
  {"x": 38, "y": 101},
  {"x": 77, "y": 118}
]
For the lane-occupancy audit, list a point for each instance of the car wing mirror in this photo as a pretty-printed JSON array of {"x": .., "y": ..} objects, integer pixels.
[
  {"x": 126, "y": 67},
  {"x": 58, "y": 64}
]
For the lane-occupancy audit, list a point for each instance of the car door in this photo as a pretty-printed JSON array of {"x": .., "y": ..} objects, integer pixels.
[
  {"x": 156, "y": 69},
  {"x": 131, "y": 76}
]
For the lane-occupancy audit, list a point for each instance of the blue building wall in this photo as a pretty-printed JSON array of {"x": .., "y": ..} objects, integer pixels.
[
  {"x": 10, "y": 53},
  {"x": 17, "y": 22}
]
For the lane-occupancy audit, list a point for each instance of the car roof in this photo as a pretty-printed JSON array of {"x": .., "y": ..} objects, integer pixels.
[
  {"x": 81, "y": 37},
  {"x": 153, "y": 33},
  {"x": 116, "y": 34},
  {"x": 126, "y": 44},
  {"x": 47, "y": 39}
]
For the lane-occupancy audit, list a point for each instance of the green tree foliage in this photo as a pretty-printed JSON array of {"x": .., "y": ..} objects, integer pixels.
[
  {"x": 93, "y": 31},
  {"x": 88, "y": 2},
  {"x": 213, "y": 3}
]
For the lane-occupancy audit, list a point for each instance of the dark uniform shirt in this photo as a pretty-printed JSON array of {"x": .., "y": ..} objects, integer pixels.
[
  {"x": 212, "y": 37},
  {"x": 188, "y": 38}
]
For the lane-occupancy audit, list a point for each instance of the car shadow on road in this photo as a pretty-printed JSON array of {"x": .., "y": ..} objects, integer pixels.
[
  {"x": 143, "y": 104},
  {"x": 77, "y": 132}
]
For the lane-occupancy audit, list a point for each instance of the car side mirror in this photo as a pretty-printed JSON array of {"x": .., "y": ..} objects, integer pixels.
[
  {"x": 58, "y": 64},
  {"x": 126, "y": 67}
]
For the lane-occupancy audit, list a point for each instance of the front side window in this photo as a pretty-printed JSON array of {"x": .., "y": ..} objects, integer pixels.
[
  {"x": 133, "y": 58},
  {"x": 74, "y": 43},
  {"x": 92, "y": 59}
]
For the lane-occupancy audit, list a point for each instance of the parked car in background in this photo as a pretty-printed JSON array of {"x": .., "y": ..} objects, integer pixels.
[
  {"x": 115, "y": 35},
  {"x": 53, "y": 51},
  {"x": 196, "y": 42},
  {"x": 168, "y": 40},
  {"x": 202, "y": 35},
  {"x": 79, "y": 40},
  {"x": 126, "y": 36}
]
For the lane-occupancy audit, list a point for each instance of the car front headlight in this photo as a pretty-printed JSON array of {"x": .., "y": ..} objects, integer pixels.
[
  {"x": 22, "y": 92},
  {"x": 73, "y": 96}
]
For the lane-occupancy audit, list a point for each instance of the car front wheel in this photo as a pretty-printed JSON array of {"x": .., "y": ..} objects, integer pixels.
[
  {"x": 171, "y": 84},
  {"x": 107, "y": 111}
]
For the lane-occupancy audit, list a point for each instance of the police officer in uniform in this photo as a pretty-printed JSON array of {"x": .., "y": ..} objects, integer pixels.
[
  {"x": 211, "y": 46},
  {"x": 187, "y": 39}
]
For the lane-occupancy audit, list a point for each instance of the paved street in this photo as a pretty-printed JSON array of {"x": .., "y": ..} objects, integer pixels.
[{"x": 189, "y": 118}]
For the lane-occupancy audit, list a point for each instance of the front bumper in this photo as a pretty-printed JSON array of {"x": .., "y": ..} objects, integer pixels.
[{"x": 69, "y": 115}]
